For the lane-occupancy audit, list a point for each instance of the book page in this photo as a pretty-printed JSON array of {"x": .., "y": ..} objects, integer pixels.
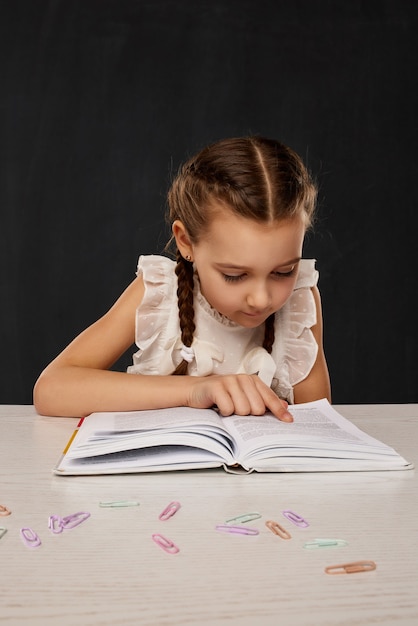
[
  {"x": 317, "y": 431},
  {"x": 184, "y": 428}
]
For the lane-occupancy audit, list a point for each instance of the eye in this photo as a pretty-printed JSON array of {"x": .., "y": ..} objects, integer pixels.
[
  {"x": 285, "y": 274},
  {"x": 234, "y": 278}
]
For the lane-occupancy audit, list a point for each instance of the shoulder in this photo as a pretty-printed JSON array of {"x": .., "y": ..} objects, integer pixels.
[
  {"x": 159, "y": 281},
  {"x": 295, "y": 348},
  {"x": 153, "y": 267}
]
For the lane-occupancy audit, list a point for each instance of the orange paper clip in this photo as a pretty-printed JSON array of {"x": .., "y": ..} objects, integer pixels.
[
  {"x": 277, "y": 529},
  {"x": 4, "y": 510},
  {"x": 351, "y": 568}
]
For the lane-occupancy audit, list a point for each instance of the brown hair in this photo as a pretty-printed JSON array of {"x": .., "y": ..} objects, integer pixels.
[{"x": 254, "y": 177}]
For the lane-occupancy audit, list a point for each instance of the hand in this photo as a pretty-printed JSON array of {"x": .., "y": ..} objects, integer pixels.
[{"x": 242, "y": 394}]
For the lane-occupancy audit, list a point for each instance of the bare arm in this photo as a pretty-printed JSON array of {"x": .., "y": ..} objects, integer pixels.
[
  {"x": 317, "y": 384},
  {"x": 78, "y": 382}
]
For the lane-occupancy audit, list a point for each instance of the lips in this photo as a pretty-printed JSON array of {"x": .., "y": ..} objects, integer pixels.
[{"x": 255, "y": 313}]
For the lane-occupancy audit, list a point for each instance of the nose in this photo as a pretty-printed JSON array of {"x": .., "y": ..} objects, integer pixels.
[{"x": 259, "y": 297}]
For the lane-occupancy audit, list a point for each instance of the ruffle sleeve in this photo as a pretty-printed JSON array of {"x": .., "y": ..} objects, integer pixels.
[
  {"x": 295, "y": 344},
  {"x": 156, "y": 318}
]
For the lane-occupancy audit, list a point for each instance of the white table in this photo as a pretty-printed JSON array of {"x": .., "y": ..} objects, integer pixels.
[{"x": 109, "y": 571}]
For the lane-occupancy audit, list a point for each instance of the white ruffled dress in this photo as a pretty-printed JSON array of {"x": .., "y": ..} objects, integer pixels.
[{"x": 221, "y": 346}]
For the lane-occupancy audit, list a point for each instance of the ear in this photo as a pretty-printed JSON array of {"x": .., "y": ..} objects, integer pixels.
[{"x": 182, "y": 240}]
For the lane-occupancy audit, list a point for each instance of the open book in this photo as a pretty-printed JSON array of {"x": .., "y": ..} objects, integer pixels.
[{"x": 319, "y": 440}]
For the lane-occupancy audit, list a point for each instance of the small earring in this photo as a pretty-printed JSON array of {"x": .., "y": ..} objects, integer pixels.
[{"x": 188, "y": 257}]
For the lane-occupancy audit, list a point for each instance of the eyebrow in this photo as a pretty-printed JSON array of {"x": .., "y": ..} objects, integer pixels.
[{"x": 232, "y": 266}]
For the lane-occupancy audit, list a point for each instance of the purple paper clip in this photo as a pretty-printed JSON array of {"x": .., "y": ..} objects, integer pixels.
[
  {"x": 296, "y": 519},
  {"x": 169, "y": 511},
  {"x": 55, "y": 524},
  {"x": 237, "y": 530},
  {"x": 165, "y": 544},
  {"x": 73, "y": 520},
  {"x": 30, "y": 538}
]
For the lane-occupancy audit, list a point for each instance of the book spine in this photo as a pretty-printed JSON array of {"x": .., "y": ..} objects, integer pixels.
[{"x": 70, "y": 441}]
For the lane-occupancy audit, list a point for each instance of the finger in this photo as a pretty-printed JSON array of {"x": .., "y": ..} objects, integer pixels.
[
  {"x": 236, "y": 392},
  {"x": 279, "y": 410},
  {"x": 254, "y": 400},
  {"x": 276, "y": 405}
]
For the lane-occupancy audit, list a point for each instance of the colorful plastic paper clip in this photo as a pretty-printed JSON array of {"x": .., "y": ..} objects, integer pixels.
[
  {"x": 30, "y": 538},
  {"x": 3, "y": 531},
  {"x": 118, "y": 504},
  {"x": 278, "y": 530},
  {"x": 236, "y": 530},
  {"x": 166, "y": 544},
  {"x": 243, "y": 518},
  {"x": 4, "y": 510},
  {"x": 170, "y": 510},
  {"x": 324, "y": 543},
  {"x": 296, "y": 519},
  {"x": 73, "y": 520},
  {"x": 55, "y": 524},
  {"x": 351, "y": 568}
]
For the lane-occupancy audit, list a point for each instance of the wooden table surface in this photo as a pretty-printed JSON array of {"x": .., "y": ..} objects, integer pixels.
[{"x": 108, "y": 571}]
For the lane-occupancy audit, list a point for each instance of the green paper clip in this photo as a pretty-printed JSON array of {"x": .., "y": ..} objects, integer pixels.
[
  {"x": 3, "y": 531},
  {"x": 118, "y": 504},
  {"x": 325, "y": 543},
  {"x": 242, "y": 519}
]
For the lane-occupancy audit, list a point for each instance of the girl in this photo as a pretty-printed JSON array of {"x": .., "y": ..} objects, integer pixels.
[{"x": 235, "y": 322}]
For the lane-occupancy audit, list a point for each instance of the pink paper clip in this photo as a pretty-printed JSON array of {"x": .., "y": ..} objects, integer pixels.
[
  {"x": 296, "y": 519},
  {"x": 237, "y": 530},
  {"x": 30, "y": 538},
  {"x": 169, "y": 511},
  {"x": 55, "y": 524},
  {"x": 73, "y": 520},
  {"x": 4, "y": 511},
  {"x": 165, "y": 544}
]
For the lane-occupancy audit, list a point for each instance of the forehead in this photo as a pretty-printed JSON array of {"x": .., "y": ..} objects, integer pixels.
[{"x": 237, "y": 240}]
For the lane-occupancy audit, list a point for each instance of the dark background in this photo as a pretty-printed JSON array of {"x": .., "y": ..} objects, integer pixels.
[{"x": 102, "y": 99}]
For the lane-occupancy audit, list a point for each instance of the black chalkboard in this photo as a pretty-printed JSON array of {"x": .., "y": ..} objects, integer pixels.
[{"x": 102, "y": 99}]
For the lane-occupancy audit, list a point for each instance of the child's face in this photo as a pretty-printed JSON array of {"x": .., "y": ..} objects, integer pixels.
[{"x": 248, "y": 270}]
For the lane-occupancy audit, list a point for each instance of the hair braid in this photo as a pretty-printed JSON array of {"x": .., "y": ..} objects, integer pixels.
[
  {"x": 185, "y": 281},
  {"x": 269, "y": 333}
]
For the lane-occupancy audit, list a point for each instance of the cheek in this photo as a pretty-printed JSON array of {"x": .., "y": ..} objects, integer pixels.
[{"x": 284, "y": 291}]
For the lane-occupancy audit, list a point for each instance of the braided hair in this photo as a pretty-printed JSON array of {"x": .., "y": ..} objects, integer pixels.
[{"x": 254, "y": 177}]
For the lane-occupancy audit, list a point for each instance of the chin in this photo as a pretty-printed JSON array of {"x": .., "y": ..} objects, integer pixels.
[{"x": 250, "y": 322}]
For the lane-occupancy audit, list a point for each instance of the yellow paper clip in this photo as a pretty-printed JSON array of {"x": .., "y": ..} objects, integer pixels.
[
  {"x": 351, "y": 568},
  {"x": 278, "y": 530}
]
